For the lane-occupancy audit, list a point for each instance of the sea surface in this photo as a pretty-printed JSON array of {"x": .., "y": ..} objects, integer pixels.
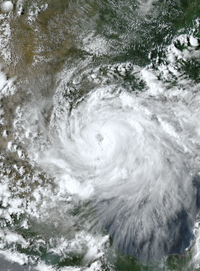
[{"x": 99, "y": 135}]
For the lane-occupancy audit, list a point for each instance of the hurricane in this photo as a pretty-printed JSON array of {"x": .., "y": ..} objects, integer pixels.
[
  {"x": 99, "y": 135},
  {"x": 136, "y": 159}
]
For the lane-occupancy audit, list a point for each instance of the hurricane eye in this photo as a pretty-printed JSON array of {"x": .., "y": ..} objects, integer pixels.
[{"x": 99, "y": 138}]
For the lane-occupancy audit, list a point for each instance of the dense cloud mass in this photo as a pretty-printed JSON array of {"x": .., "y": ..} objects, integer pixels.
[{"x": 136, "y": 157}]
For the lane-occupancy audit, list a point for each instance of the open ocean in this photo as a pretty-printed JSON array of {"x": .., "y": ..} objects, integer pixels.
[{"x": 100, "y": 135}]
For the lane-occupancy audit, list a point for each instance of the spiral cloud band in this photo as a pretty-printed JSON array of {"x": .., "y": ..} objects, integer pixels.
[{"x": 135, "y": 157}]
